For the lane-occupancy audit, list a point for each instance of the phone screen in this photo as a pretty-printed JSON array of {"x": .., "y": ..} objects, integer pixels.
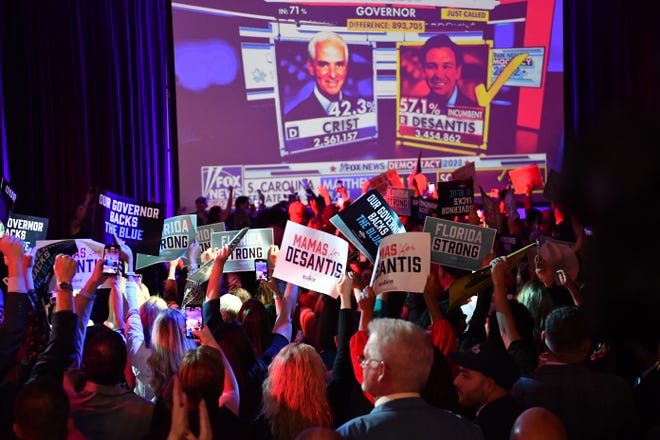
[
  {"x": 261, "y": 270},
  {"x": 193, "y": 320},
  {"x": 111, "y": 260}
]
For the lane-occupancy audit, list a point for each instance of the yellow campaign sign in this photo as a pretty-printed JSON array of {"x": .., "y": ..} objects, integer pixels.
[
  {"x": 471, "y": 284},
  {"x": 365, "y": 25},
  {"x": 464, "y": 14}
]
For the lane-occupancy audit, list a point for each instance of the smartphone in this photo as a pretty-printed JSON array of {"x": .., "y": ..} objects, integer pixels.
[
  {"x": 261, "y": 269},
  {"x": 111, "y": 260},
  {"x": 431, "y": 188},
  {"x": 193, "y": 320}
]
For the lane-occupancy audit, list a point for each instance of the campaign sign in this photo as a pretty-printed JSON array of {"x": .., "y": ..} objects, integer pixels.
[
  {"x": 473, "y": 283},
  {"x": 205, "y": 232},
  {"x": 7, "y": 201},
  {"x": 491, "y": 211},
  {"x": 366, "y": 221},
  {"x": 27, "y": 228},
  {"x": 86, "y": 252},
  {"x": 422, "y": 208},
  {"x": 44, "y": 259},
  {"x": 385, "y": 180},
  {"x": 459, "y": 245},
  {"x": 399, "y": 199},
  {"x": 311, "y": 259},
  {"x": 526, "y": 178},
  {"x": 465, "y": 172},
  {"x": 455, "y": 197},
  {"x": 403, "y": 263},
  {"x": 178, "y": 233},
  {"x": 253, "y": 245},
  {"x": 139, "y": 224}
]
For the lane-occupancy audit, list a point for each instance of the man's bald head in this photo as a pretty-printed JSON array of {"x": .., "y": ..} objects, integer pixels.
[{"x": 538, "y": 423}]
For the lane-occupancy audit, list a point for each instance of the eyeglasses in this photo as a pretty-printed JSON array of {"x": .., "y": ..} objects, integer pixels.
[{"x": 364, "y": 361}]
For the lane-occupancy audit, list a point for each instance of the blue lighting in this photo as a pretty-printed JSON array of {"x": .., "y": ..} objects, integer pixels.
[{"x": 201, "y": 64}]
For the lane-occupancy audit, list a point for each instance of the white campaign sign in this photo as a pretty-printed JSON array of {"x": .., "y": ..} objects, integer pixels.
[{"x": 311, "y": 258}]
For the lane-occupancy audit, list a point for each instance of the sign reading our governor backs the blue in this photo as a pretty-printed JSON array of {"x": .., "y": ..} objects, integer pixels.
[
  {"x": 139, "y": 224},
  {"x": 27, "y": 228},
  {"x": 366, "y": 221},
  {"x": 459, "y": 245}
]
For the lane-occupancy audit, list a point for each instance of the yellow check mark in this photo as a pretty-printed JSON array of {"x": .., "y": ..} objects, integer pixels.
[{"x": 484, "y": 97}]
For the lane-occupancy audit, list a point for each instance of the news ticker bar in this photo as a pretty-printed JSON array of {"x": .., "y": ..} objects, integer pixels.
[{"x": 277, "y": 182}]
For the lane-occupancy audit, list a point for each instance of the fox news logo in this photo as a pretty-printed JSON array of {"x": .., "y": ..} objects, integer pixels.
[{"x": 216, "y": 181}]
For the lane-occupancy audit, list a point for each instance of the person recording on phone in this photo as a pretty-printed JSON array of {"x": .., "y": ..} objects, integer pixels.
[
  {"x": 328, "y": 63},
  {"x": 442, "y": 60}
]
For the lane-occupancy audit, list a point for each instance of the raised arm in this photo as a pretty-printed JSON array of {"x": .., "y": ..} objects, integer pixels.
[
  {"x": 431, "y": 289},
  {"x": 366, "y": 301},
  {"x": 28, "y": 265},
  {"x": 572, "y": 287},
  {"x": 60, "y": 352},
  {"x": 215, "y": 280},
  {"x": 14, "y": 317},
  {"x": 505, "y": 321},
  {"x": 283, "y": 322},
  {"x": 230, "y": 396},
  {"x": 211, "y": 307}
]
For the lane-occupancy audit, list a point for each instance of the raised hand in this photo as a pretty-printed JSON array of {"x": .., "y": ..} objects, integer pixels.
[
  {"x": 13, "y": 250},
  {"x": 64, "y": 268},
  {"x": 345, "y": 289},
  {"x": 180, "y": 427}
]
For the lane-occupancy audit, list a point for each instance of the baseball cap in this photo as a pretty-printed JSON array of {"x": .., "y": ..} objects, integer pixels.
[{"x": 491, "y": 360}]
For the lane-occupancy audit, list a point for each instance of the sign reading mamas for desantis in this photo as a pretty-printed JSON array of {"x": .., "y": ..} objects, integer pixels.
[
  {"x": 138, "y": 223},
  {"x": 311, "y": 259}
]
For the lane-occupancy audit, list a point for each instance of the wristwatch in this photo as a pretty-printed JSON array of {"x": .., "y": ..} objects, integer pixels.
[{"x": 63, "y": 285}]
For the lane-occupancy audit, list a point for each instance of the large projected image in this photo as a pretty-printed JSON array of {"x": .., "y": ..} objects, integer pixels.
[{"x": 271, "y": 92}]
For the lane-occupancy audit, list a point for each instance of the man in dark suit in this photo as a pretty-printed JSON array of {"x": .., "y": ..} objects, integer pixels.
[
  {"x": 395, "y": 366},
  {"x": 591, "y": 404},
  {"x": 443, "y": 63},
  {"x": 328, "y": 63}
]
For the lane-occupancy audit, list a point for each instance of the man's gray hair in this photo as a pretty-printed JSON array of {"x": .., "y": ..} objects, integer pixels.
[
  {"x": 406, "y": 350},
  {"x": 325, "y": 36}
]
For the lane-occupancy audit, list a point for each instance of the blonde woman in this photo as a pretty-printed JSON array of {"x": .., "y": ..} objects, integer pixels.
[{"x": 169, "y": 344}]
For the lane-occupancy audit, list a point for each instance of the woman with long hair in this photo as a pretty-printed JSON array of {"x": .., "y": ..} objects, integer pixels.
[
  {"x": 257, "y": 323},
  {"x": 294, "y": 393},
  {"x": 169, "y": 344}
]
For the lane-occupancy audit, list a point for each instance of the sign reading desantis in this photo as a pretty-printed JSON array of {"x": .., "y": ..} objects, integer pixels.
[
  {"x": 403, "y": 263},
  {"x": 138, "y": 223}
]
